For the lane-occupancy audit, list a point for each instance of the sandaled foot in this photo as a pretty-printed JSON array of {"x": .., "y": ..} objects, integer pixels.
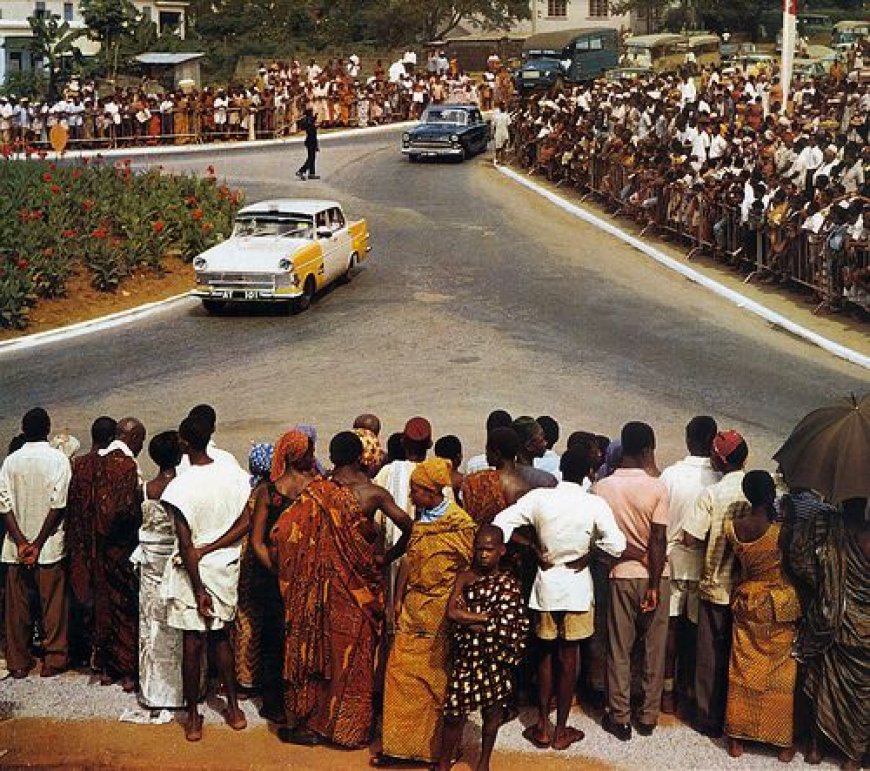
[
  {"x": 128, "y": 685},
  {"x": 235, "y": 719},
  {"x": 786, "y": 755},
  {"x": 540, "y": 738},
  {"x": 813, "y": 756},
  {"x": 193, "y": 728},
  {"x": 566, "y": 737},
  {"x": 735, "y": 748}
]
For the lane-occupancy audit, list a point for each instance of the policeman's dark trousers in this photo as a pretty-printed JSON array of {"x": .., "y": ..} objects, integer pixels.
[{"x": 308, "y": 166}]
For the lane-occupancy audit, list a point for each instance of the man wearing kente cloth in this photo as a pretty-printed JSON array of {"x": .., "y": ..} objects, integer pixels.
[
  {"x": 486, "y": 493},
  {"x": 416, "y": 679},
  {"x": 829, "y": 555},
  {"x": 330, "y": 581}
]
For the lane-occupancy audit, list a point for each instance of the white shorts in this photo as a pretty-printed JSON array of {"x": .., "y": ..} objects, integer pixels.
[{"x": 684, "y": 599}]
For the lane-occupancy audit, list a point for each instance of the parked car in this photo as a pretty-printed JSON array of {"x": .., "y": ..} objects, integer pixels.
[
  {"x": 456, "y": 131},
  {"x": 281, "y": 251}
]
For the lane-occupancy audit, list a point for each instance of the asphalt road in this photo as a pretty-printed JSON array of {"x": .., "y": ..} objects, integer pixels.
[{"x": 477, "y": 295}]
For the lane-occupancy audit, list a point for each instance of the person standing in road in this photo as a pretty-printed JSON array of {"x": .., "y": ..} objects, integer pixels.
[
  {"x": 308, "y": 124},
  {"x": 501, "y": 121},
  {"x": 639, "y": 584},
  {"x": 718, "y": 504},
  {"x": 33, "y": 487}
]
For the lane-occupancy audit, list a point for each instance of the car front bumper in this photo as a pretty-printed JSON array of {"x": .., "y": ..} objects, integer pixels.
[
  {"x": 232, "y": 294},
  {"x": 447, "y": 150}
]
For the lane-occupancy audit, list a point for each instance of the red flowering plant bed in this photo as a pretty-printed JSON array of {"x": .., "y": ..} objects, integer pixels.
[{"x": 106, "y": 220}]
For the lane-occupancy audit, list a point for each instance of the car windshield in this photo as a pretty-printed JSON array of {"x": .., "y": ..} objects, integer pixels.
[
  {"x": 454, "y": 117},
  {"x": 274, "y": 224}
]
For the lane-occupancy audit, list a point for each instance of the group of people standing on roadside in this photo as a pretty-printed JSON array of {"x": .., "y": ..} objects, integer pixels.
[{"x": 395, "y": 586}]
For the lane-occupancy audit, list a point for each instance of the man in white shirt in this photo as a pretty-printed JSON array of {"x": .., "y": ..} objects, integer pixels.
[
  {"x": 201, "y": 589},
  {"x": 206, "y": 413},
  {"x": 686, "y": 480},
  {"x": 33, "y": 487},
  {"x": 570, "y": 524}
]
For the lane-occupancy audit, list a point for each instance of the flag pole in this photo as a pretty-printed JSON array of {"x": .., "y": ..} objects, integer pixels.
[{"x": 789, "y": 38}]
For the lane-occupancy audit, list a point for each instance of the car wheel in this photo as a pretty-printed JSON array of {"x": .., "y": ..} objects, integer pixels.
[
  {"x": 303, "y": 302},
  {"x": 352, "y": 265},
  {"x": 214, "y": 307}
]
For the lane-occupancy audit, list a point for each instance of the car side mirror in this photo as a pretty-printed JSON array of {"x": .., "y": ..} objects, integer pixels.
[{"x": 324, "y": 232}]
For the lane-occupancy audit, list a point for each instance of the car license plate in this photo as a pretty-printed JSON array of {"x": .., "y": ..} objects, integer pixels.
[{"x": 532, "y": 75}]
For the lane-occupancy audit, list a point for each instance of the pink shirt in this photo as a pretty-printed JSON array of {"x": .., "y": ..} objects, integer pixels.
[{"x": 638, "y": 501}]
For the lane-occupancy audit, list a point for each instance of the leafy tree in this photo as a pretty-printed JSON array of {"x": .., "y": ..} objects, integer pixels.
[
  {"x": 109, "y": 21},
  {"x": 54, "y": 43}
]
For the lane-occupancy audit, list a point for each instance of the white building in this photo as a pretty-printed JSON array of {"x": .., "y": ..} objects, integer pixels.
[
  {"x": 556, "y": 15},
  {"x": 168, "y": 15}
]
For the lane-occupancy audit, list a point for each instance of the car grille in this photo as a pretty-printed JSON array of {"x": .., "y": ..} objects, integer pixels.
[{"x": 239, "y": 280}]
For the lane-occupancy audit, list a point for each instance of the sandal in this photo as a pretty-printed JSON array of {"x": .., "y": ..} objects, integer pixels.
[
  {"x": 239, "y": 723},
  {"x": 531, "y": 734}
]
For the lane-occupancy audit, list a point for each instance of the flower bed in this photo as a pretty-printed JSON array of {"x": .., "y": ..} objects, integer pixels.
[{"x": 104, "y": 219}]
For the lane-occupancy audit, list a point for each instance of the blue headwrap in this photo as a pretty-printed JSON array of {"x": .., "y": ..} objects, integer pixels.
[
  {"x": 311, "y": 432},
  {"x": 260, "y": 462}
]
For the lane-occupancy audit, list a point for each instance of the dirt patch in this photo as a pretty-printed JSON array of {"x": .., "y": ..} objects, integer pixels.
[
  {"x": 38, "y": 743},
  {"x": 82, "y": 302}
]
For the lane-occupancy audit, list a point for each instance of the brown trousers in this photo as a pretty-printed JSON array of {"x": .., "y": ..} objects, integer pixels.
[
  {"x": 711, "y": 667},
  {"x": 626, "y": 624},
  {"x": 51, "y": 585}
]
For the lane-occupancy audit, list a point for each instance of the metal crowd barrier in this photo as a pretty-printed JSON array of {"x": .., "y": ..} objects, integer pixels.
[{"x": 782, "y": 252}]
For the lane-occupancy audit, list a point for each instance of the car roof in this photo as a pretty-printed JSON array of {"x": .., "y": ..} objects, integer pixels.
[
  {"x": 295, "y": 205},
  {"x": 443, "y": 106}
]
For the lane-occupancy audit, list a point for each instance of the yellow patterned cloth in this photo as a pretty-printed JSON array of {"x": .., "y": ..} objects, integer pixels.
[
  {"x": 762, "y": 672},
  {"x": 417, "y": 669}
]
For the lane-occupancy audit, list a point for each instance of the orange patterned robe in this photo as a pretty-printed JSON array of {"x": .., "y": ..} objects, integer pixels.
[
  {"x": 333, "y": 604},
  {"x": 482, "y": 495}
]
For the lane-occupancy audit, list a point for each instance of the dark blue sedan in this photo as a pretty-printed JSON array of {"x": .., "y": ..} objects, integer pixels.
[{"x": 452, "y": 130}]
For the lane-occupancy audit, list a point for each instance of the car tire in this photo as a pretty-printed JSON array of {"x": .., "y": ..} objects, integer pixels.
[
  {"x": 303, "y": 302},
  {"x": 214, "y": 307},
  {"x": 352, "y": 265}
]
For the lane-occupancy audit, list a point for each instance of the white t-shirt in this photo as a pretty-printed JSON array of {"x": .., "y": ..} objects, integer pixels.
[
  {"x": 34, "y": 480},
  {"x": 568, "y": 521},
  {"x": 686, "y": 480},
  {"x": 219, "y": 456}
]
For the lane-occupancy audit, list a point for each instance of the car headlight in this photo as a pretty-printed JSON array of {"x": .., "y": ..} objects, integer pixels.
[
  {"x": 200, "y": 263},
  {"x": 454, "y": 138},
  {"x": 285, "y": 264},
  {"x": 406, "y": 137}
]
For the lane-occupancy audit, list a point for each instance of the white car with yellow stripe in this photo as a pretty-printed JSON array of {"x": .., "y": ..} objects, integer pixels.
[{"x": 281, "y": 251}]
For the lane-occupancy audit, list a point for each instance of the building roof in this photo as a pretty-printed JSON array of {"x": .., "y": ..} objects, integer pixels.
[
  {"x": 167, "y": 58},
  {"x": 559, "y": 39}
]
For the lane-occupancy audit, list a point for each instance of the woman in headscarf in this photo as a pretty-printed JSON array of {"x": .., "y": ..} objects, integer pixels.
[
  {"x": 762, "y": 671},
  {"x": 416, "y": 679},
  {"x": 282, "y": 473}
]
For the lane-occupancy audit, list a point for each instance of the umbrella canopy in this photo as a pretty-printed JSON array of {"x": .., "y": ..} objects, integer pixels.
[{"x": 829, "y": 451}]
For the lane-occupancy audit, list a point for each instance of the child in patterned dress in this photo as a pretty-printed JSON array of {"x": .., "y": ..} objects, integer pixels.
[{"x": 490, "y": 629}]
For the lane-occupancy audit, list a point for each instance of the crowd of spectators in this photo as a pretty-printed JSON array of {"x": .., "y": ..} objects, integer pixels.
[
  {"x": 269, "y": 105},
  {"x": 712, "y": 157}
]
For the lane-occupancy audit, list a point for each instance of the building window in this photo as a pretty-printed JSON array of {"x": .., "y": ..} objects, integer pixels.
[
  {"x": 599, "y": 9},
  {"x": 39, "y": 12},
  {"x": 67, "y": 11},
  {"x": 557, "y": 8},
  {"x": 146, "y": 12}
]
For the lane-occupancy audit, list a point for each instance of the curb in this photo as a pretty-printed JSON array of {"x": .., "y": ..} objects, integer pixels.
[
  {"x": 212, "y": 147},
  {"x": 118, "y": 319},
  {"x": 741, "y": 301}
]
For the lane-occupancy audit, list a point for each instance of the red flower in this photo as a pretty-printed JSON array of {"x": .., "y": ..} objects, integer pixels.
[
  {"x": 190, "y": 200},
  {"x": 223, "y": 192},
  {"x": 197, "y": 214},
  {"x": 55, "y": 189},
  {"x": 52, "y": 166},
  {"x": 36, "y": 214},
  {"x": 207, "y": 227},
  {"x": 48, "y": 252},
  {"x": 159, "y": 226},
  {"x": 46, "y": 177},
  {"x": 88, "y": 204},
  {"x": 100, "y": 232},
  {"x": 23, "y": 264},
  {"x": 69, "y": 233},
  {"x": 5, "y": 150},
  {"x": 76, "y": 174}
]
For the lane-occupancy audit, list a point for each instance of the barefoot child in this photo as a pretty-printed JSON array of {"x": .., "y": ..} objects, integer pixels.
[{"x": 487, "y": 609}]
